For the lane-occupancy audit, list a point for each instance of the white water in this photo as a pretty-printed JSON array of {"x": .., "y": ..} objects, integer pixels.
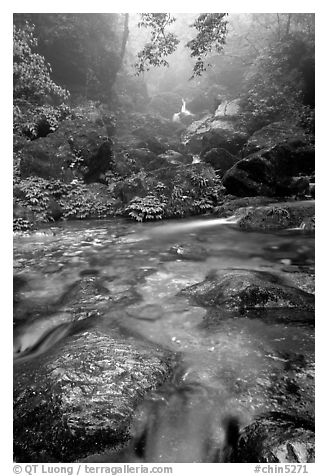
[
  {"x": 183, "y": 112},
  {"x": 192, "y": 225}
]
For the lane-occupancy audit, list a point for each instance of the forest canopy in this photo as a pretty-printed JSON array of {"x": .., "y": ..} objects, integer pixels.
[{"x": 266, "y": 60}]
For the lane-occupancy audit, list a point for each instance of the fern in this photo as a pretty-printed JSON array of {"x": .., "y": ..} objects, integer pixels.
[{"x": 146, "y": 208}]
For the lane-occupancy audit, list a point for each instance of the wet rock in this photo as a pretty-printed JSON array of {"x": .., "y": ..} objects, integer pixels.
[
  {"x": 188, "y": 252},
  {"x": 81, "y": 299},
  {"x": 80, "y": 399},
  {"x": 208, "y": 133},
  {"x": 277, "y": 216},
  {"x": 152, "y": 144},
  {"x": 224, "y": 135},
  {"x": 228, "y": 108},
  {"x": 122, "y": 293},
  {"x": 273, "y": 134},
  {"x": 243, "y": 290},
  {"x": 89, "y": 272},
  {"x": 88, "y": 294},
  {"x": 126, "y": 190},
  {"x": 175, "y": 158},
  {"x": 99, "y": 163},
  {"x": 293, "y": 390},
  {"x": 277, "y": 438},
  {"x": 308, "y": 224},
  {"x": 232, "y": 206},
  {"x": 54, "y": 209},
  {"x": 148, "y": 312},
  {"x": 48, "y": 157},
  {"x": 272, "y": 171},
  {"x": 52, "y": 156},
  {"x": 142, "y": 157},
  {"x": 220, "y": 159}
]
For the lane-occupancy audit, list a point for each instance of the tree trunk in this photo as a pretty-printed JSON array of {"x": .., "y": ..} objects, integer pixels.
[{"x": 125, "y": 36}]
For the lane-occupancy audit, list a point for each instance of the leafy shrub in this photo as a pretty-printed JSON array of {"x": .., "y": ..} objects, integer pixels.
[
  {"x": 190, "y": 191},
  {"x": 79, "y": 203},
  {"x": 146, "y": 208},
  {"x": 20, "y": 224},
  {"x": 75, "y": 199},
  {"x": 36, "y": 196},
  {"x": 32, "y": 80},
  {"x": 38, "y": 121},
  {"x": 276, "y": 83}
]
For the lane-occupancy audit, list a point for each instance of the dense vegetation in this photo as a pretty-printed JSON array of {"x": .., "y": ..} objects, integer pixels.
[{"x": 94, "y": 96}]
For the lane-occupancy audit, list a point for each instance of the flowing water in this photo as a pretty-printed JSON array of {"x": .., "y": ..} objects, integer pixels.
[{"x": 143, "y": 267}]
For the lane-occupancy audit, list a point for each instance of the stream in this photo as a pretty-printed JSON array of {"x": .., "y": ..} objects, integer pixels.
[{"x": 236, "y": 358}]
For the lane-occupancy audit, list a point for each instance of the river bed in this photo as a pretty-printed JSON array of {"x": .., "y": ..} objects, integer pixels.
[{"x": 238, "y": 359}]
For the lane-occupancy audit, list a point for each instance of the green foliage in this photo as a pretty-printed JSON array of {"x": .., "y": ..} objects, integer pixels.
[
  {"x": 161, "y": 44},
  {"x": 36, "y": 196},
  {"x": 275, "y": 84},
  {"x": 211, "y": 35},
  {"x": 192, "y": 191},
  {"x": 75, "y": 199},
  {"x": 78, "y": 202},
  {"x": 38, "y": 121},
  {"x": 212, "y": 31},
  {"x": 84, "y": 49},
  {"x": 20, "y": 224},
  {"x": 146, "y": 208},
  {"x": 31, "y": 72}
]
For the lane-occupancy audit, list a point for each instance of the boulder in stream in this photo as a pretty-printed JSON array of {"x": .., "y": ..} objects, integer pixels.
[
  {"x": 277, "y": 438},
  {"x": 236, "y": 205},
  {"x": 244, "y": 290},
  {"x": 297, "y": 214},
  {"x": 80, "y": 398}
]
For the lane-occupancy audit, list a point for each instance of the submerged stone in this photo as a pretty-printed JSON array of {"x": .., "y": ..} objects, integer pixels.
[
  {"x": 187, "y": 251},
  {"x": 147, "y": 312}
]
